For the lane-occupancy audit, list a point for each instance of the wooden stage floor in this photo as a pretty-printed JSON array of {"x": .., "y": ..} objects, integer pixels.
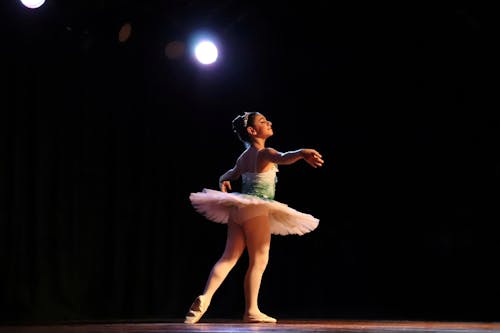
[{"x": 289, "y": 326}]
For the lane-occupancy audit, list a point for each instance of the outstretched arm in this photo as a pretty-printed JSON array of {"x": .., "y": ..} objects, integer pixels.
[{"x": 311, "y": 156}]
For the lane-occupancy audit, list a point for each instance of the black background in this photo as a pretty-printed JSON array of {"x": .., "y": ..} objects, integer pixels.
[{"x": 102, "y": 141}]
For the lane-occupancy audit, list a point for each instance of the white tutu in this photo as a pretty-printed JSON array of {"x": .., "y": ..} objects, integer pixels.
[{"x": 284, "y": 220}]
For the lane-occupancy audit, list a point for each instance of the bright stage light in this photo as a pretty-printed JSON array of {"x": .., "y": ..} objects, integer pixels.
[
  {"x": 32, "y": 3},
  {"x": 206, "y": 52}
]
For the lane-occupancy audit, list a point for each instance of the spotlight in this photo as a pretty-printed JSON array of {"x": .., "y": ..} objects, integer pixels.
[
  {"x": 206, "y": 52},
  {"x": 33, "y": 4}
]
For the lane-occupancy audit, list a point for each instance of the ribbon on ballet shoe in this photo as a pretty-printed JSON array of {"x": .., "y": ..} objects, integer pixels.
[
  {"x": 196, "y": 311},
  {"x": 258, "y": 318}
]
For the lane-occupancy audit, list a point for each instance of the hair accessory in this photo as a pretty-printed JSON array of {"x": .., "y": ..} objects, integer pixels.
[{"x": 245, "y": 119}]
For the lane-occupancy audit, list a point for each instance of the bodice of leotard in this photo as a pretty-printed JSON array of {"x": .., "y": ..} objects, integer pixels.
[{"x": 260, "y": 184}]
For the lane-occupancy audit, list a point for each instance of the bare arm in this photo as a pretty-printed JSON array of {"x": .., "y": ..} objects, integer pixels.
[
  {"x": 311, "y": 156},
  {"x": 225, "y": 179}
]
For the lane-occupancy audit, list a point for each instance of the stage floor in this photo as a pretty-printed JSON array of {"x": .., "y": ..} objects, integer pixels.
[{"x": 290, "y": 326}]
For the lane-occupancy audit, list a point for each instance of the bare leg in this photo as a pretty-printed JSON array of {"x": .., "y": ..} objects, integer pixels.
[
  {"x": 235, "y": 245},
  {"x": 258, "y": 240}
]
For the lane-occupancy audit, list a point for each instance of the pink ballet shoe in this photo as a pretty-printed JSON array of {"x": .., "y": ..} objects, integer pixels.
[
  {"x": 258, "y": 318},
  {"x": 197, "y": 309}
]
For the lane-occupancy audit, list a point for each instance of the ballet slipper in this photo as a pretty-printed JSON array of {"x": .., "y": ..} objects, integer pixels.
[
  {"x": 197, "y": 309},
  {"x": 258, "y": 318}
]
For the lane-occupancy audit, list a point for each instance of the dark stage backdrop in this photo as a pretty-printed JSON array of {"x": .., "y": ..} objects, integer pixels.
[{"x": 102, "y": 142}]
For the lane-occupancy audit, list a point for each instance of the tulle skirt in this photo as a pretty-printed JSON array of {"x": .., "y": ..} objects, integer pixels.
[{"x": 218, "y": 206}]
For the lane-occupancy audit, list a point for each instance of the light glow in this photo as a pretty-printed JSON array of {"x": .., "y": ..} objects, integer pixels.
[
  {"x": 32, "y": 3},
  {"x": 206, "y": 52}
]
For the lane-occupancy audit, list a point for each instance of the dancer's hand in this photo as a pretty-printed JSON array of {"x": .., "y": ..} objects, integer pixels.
[
  {"x": 312, "y": 157},
  {"x": 225, "y": 186}
]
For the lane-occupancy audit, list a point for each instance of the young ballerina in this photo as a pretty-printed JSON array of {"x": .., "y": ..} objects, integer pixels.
[{"x": 252, "y": 215}]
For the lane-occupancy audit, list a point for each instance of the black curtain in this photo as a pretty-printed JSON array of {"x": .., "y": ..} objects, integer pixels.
[{"x": 103, "y": 141}]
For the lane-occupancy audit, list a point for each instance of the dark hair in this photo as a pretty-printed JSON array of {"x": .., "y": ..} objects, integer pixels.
[{"x": 240, "y": 124}]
